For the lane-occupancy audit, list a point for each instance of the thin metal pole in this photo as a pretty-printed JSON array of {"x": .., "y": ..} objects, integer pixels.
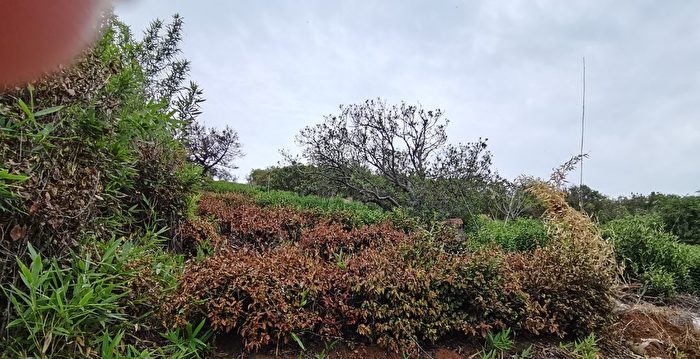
[{"x": 583, "y": 117}]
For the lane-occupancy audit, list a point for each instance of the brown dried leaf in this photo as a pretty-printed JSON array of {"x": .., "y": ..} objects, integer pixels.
[{"x": 18, "y": 232}]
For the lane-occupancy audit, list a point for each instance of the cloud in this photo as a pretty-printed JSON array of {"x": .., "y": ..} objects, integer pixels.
[{"x": 506, "y": 70}]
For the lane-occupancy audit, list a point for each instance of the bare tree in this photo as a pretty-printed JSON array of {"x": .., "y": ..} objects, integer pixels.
[
  {"x": 214, "y": 149},
  {"x": 386, "y": 153}
]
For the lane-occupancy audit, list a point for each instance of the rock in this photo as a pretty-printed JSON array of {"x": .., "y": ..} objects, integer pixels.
[{"x": 641, "y": 348}]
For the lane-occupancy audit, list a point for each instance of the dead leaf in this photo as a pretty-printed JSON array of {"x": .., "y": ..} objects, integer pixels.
[{"x": 18, "y": 232}]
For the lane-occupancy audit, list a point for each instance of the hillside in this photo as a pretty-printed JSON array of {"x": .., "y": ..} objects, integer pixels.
[{"x": 116, "y": 241}]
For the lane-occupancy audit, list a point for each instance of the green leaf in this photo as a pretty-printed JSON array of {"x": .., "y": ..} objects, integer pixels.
[
  {"x": 47, "y": 111},
  {"x": 25, "y": 108},
  {"x": 296, "y": 339}
]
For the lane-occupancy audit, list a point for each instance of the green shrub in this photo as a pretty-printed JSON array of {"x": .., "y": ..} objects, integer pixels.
[
  {"x": 642, "y": 245},
  {"x": 680, "y": 216},
  {"x": 694, "y": 270},
  {"x": 659, "y": 283},
  {"x": 570, "y": 280},
  {"x": 521, "y": 234},
  {"x": 225, "y": 187},
  {"x": 98, "y": 156}
]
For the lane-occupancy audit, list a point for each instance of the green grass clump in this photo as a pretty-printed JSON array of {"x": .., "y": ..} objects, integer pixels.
[{"x": 87, "y": 305}]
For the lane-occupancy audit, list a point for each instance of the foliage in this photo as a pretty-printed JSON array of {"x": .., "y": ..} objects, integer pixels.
[
  {"x": 158, "y": 55},
  {"x": 509, "y": 200},
  {"x": 165, "y": 73},
  {"x": 67, "y": 309},
  {"x": 300, "y": 179},
  {"x": 643, "y": 246},
  {"x": 188, "y": 342},
  {"x": 357, "y": 213},
  {"x": 214, "y": 150},
  {"x": 694, "y": 270},
  {"x": 395, "y": 155},
  {"x": 594, "y": 203},
  {"x": 521, "y": 234},
  {"x": 8, "y": 186},
  {"x": 680, "y": 215},
  {"x": 333, "y": 241},
  {"x": 497, "y": 344},
  {"x": 99, "y": 159},
  {"x": 500, "y": 341},
  {"x": 659, "y": 283},
  {"x": 260, "y": 297},
  {"x": 586, "y": 348},
  {"x": 571, "y": 279},
  {"x": 226, "y": 187},
  {"x": 57, "y": 311},
  {"x": 285, "y": 273}
]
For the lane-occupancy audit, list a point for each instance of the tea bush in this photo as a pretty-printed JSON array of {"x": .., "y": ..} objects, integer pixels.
[
  {"x": 643, "y": 246},
  {"x": 521, "y": 234},
  {"x": 355, "y": 213},
  {"x": 396, "y": 299},
  {"x": 681, "y": 216},
  {"x": 331, "y": 239},
  {"x": 249, "y": 224},
  {"x": 261, "y": 297},
  {"x": 286, "y": 273},
  {"x": 570, "y": 280},
  {"x": 659, "y": 283},
  {"x": 694, "y": 270}
]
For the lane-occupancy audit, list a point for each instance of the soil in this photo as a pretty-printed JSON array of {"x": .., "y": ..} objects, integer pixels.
[{"x": 663, "y": 332}]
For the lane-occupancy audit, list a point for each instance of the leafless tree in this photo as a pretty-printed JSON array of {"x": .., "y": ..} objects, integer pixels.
[
  {"x": 386, "y": 153},
  {"x": 214, "y": 150}
]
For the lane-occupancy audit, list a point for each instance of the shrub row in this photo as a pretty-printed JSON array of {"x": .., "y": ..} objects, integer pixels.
[
  {"x": 244, "y": 222},
  {"x": 356, "y": 212},
  {"x": 387, "y": 286}
]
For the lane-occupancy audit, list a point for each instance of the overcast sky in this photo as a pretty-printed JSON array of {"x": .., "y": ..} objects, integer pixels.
[{"x": 506, "y": 70}]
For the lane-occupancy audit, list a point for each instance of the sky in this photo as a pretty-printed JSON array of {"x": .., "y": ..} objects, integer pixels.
[{"x": 509, "y": 71}]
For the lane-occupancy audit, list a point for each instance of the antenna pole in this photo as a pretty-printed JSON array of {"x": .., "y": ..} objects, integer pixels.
[{"x": 583, "y": 117}]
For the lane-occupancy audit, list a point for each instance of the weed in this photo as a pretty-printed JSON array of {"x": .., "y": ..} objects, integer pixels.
[
  {"x": 586, "y": 348},
  {"x": 500, "y": 341},
  {"x": 188, "y": 342},
  {"x": 58, "y": 310}
]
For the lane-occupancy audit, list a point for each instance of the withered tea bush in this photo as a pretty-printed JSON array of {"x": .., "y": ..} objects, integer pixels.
[
  {"x": 284, "y": 272},
  {"x": 569, "y": 281},
  {"x": 262, "y": 297}
]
